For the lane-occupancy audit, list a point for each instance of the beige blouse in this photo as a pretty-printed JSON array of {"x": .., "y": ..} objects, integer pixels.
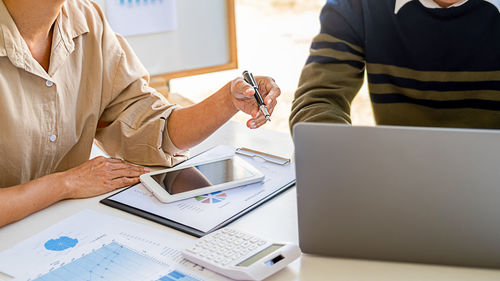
[{"x": 48, "y": 121}]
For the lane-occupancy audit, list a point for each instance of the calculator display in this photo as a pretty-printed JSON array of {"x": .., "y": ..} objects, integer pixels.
[
  {"x": 201, "y": 176},
  {"x": 251, "y": 260}
]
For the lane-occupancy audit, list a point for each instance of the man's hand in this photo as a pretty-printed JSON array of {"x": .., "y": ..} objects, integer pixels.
[
  {"x": 243, "y": 99},
  {"x": 100, "y": 175}
]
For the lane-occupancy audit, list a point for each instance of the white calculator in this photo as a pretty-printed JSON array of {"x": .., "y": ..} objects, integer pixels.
[{"x": 239, "y": 255}]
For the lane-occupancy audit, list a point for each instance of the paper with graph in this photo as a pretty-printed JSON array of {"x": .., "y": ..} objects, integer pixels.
[
  {"x": 208, "y": 211},
  {"x": 93, "y": 246}
]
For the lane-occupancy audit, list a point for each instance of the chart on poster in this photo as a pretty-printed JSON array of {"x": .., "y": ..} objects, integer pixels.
[
  {"x": 139, "y": 17},
  {"x": 176, "y": 38}
]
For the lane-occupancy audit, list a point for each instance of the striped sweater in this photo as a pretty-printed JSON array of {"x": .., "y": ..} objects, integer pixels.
[{"x": 425, "y": 66}]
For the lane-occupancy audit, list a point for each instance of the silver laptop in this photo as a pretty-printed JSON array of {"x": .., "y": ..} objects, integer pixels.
[{"x": 423, "y": 195}]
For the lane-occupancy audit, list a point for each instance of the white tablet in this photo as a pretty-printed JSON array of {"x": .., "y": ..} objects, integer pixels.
[{"x": 188, "y": 181}]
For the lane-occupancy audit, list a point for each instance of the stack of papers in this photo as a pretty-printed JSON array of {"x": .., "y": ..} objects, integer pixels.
[{"x": 211, "y": 211}]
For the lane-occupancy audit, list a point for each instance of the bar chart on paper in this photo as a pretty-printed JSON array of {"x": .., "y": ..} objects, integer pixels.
[
  {"x": 138, "y": 17},
  {"x": 115, "y": 262}
]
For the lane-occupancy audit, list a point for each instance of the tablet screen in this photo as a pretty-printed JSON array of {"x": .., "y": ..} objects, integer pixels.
[{"x": 201, "y": 176}]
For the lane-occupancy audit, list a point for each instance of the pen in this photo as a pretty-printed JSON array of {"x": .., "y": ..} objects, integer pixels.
[{"x": 260, "y": 102}]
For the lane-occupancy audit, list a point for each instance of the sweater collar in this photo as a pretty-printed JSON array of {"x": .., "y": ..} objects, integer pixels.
[{"x": 433, "y": 5}]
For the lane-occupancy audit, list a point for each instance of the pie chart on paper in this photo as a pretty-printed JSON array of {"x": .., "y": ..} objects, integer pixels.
[
  {"x": 60, "y": 244},
  {"x": 212, "y": 198}
]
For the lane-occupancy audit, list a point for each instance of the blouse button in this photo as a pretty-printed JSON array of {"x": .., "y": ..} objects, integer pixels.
[
  {"x": 53, "y": 138},
  {"x": 49, "y": 83}
]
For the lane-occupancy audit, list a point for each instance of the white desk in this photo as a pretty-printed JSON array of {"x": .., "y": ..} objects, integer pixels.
[{"x": 276, "y": 220}]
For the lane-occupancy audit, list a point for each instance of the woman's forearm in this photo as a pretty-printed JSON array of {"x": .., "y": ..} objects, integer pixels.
[
  {"x": 94, "y": 177},
  {"x": 21, "y": 200},
  {"x": 191, "y": 125}
]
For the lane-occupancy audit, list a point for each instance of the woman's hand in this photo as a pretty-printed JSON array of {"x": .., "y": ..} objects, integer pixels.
[
  {"x": 97, "y": 176},
  {"x": 100, "y": 175},
  {"x": 191, "y": 125},
  {"x": 243, "y": 99}
]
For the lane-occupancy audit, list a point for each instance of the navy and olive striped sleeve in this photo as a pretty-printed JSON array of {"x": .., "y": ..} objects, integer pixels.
[{"x": 334, "y": 71}]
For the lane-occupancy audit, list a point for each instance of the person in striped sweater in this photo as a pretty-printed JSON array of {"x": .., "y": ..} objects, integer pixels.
[{"x": 428, "y": 63}]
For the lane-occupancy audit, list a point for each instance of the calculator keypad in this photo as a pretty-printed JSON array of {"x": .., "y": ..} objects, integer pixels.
[{"x": 226, "y": 247}]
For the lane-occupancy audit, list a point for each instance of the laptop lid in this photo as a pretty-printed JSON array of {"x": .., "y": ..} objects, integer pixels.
[{"x": 426, "y": 195}]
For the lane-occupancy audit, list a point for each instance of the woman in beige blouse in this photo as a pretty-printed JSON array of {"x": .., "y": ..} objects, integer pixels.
[{"x": 67, "y": 79}]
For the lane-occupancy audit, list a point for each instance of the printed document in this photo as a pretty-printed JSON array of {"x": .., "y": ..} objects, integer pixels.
[
  {"x": 210, "y": 210},
  {"x": 94, "y": 246}
]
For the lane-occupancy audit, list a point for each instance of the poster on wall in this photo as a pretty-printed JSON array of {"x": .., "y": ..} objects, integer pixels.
[{"x": 139, "y": 17}]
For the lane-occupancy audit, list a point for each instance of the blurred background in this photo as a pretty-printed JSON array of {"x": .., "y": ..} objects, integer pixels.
[{"x": 273, "y": 38}]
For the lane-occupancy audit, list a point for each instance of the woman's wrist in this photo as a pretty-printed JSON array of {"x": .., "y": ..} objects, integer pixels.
[
  {"x": 229, "y": 98},
  {"x": 59, "y": 182}
]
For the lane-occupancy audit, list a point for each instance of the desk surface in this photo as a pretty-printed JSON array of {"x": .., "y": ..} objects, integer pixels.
[{"x": 275, "y": 220}]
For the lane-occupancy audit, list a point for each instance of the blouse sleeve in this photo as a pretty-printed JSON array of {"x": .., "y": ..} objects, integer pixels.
[{"x": 136, "y": 114}]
